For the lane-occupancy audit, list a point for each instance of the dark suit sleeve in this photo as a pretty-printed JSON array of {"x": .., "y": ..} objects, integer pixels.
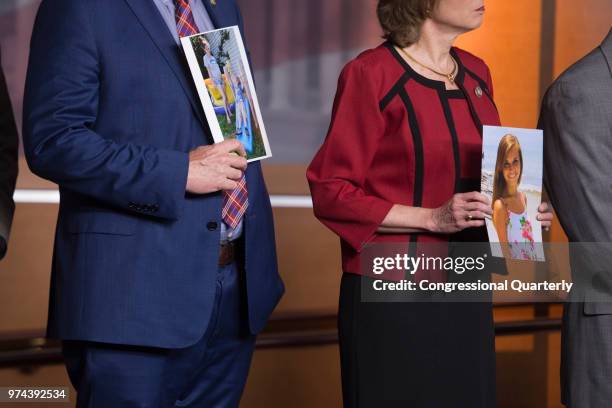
[
  {"x": 576, "y": 162},
  {"x": 8, "y": 163},
  {"x": 577, "y": 152},
  {"x": 63, "y": 88}
]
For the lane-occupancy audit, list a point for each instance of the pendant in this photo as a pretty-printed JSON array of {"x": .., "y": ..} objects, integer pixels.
[{"x": 451, "y": 78}]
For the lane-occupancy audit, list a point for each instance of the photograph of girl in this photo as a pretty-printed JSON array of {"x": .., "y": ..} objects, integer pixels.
[
  {"x": 515, "y": 191},
  {"x": 219, "y": 66}
]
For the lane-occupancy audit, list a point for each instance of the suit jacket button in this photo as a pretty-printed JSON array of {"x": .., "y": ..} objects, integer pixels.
[{"x": 212, "y": 226}]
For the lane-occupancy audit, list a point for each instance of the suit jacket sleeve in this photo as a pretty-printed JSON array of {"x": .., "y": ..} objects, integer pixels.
[
  {"x": 338, "y": 172},
  {"x": 60, "y": 110},
  {"x": 577, "y": 154},
  {"x": 8, "y": 163}
]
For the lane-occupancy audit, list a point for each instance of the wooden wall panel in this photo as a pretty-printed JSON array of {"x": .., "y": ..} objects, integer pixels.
[
  {"x": 303, "y": 377},
  {"x": 509, "y": 42},
  {"x": 553, "y": 383},
  {"x": 309, "y": 260},
  {"x": 45, "y": 376},
  {"x": 28, "y": 180},
  {"x": 286, "y": 179},
  {"x": 580, "y": 26},
  {"x": 24, "y": 273},
  {"x": 529, "y": 377}
]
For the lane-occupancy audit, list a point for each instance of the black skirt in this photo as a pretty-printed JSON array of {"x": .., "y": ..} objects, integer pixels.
[{"x": 415, "y": 354}]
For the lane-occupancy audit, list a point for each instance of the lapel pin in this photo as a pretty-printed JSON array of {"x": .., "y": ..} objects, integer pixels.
[
  {"x": 478, "y": 92},
  {"x": 213, "y": 2}
]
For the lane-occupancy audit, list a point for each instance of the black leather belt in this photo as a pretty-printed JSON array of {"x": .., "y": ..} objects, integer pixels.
[{"x": 227, "y": 254}]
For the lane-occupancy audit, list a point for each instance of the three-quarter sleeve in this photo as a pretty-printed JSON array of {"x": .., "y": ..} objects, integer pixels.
[{"x": 338, "y": 172}]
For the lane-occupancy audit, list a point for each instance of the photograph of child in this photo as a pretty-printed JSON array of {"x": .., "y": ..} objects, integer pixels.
[
  {"x": 214, "y": 73},
  {"x": 219, "y": 66},
  {"x": 512, "y": 178}
]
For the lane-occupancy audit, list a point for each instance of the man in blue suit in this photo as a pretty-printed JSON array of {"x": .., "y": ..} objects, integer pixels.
[{"x": 156, "y": 295}]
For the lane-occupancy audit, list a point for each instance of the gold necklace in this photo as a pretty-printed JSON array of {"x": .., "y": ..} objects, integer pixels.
[{"x": 450, "y": 76}]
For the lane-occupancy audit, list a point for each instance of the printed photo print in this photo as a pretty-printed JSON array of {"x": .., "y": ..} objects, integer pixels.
[
  {"x": 512, "y": 164},
  {"x": 219, "y": 66}
]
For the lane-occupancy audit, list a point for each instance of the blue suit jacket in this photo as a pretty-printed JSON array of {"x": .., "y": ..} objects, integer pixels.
[{"x": 110, "y": 115}]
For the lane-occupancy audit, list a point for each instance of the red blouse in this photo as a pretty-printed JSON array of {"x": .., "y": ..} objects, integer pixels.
[{"x": 397, "y": 137}]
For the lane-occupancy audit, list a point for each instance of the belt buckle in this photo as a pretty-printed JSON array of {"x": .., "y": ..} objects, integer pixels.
[{"x": 226, "y": 253}]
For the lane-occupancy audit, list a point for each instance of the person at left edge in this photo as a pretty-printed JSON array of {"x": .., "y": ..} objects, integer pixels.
[
  {"x": 156, "y": 295},
  {"x": 8, "y": 163}
]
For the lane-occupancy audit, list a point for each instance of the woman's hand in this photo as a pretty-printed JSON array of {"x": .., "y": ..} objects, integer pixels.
[
  {"x": 545, "y": 215},
  {"x": 463, "y": 210}
]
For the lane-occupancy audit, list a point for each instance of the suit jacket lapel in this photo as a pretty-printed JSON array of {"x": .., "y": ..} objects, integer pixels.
[
  {"x": 220, "y": 14},
  {"x": 153, "y": 23},
  {"x": 606, "y": 48},
  {"x": 210, "y": 9}
]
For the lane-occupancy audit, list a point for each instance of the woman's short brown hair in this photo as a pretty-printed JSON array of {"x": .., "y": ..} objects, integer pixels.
[{"x": 401, "y": 20}]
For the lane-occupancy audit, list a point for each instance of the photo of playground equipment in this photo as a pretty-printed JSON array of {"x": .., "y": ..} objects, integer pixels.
[
  {"x": 216, "y": 97},
  {"x": 219, "y": 65}
]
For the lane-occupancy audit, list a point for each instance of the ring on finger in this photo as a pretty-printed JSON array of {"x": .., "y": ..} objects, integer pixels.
[{"x": 469, "y": 217}]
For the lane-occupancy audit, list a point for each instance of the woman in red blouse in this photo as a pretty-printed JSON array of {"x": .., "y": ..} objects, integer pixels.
[{"x": 401, "y": 163}]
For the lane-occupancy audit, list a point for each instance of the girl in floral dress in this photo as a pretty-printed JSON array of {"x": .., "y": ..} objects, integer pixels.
[{"x": 510, "y": 217}]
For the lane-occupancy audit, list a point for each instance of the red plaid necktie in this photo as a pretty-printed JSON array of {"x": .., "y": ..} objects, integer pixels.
[
  {"x": 235, "y": 202},
  {"x": 185, "y": 24}
]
